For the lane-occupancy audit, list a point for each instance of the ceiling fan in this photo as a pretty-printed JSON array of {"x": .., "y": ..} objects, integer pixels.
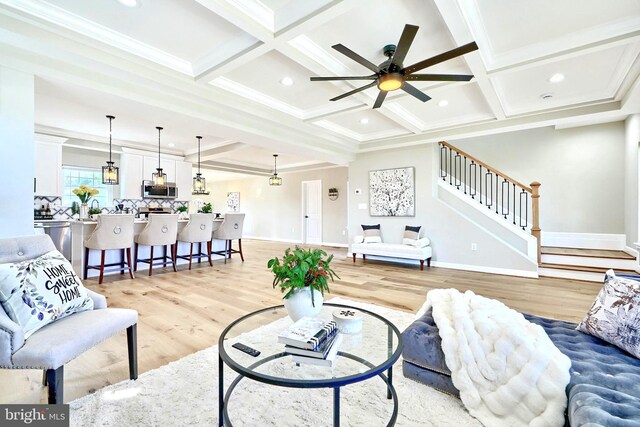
[{"x": 392, "y": 75}]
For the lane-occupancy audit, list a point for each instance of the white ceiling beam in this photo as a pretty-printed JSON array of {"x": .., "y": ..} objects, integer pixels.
[
  {"x": 217, "y": 152},
  {"x": 459, "y": 31}
]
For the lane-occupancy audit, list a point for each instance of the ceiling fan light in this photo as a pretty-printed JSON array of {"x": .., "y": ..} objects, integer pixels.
[{"x": 389, "y": 82}]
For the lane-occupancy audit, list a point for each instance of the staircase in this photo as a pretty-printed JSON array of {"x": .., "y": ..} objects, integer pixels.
[
  {"x": 584, "y": 264},
  {"x": 515, "y": 206}
]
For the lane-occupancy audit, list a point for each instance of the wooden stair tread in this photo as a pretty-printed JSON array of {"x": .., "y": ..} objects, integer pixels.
[
  {"x": 584, "y": 268},
  {"x": 588, "y": 253}
]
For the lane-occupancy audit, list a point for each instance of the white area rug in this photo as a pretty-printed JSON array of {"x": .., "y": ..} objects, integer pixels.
[{"x": 185, "y": 393}]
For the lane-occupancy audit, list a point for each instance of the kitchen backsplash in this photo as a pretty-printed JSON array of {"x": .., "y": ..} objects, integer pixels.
[{"x": 60, "y": 212}]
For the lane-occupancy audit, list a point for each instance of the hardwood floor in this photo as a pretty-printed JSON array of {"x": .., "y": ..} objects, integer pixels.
[{"x": 181, "y": 313}]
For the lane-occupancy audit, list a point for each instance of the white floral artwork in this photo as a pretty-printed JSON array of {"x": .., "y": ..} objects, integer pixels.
[
  {"x": 233, "y": 201},
  {"x": 392, "y": 192}
]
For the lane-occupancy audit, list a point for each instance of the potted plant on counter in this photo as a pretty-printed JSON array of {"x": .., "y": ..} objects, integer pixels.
[
  {"x": 303, "y": 276},
  {"x": 206, "y": 208},
  {"x": 94, "y": 212},
  {"x": 183, "y": 212},
  {"x": 85, "y": 194}
]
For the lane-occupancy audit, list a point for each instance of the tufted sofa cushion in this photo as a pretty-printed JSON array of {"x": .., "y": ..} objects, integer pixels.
[
  {"x": 394, "y": 250},
  {"x": 604, "y": 389}
]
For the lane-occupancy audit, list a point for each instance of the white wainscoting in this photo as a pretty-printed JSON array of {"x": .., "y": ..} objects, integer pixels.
[{"x": 584, "y": 240}]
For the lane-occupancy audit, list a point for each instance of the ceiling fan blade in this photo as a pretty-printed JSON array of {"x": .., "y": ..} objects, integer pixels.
[
  {"x": 408, "y": 34},
  {"x": 380, "y": 99},
  {"x": 360, "y": 89},
  {"x": 441, "y": 58},
  {"x": 412, "y": 90},
  {"x": 439, "y": 77},
  {"x": 325, "y": 79},
  {"x": 359, "y": 59}
]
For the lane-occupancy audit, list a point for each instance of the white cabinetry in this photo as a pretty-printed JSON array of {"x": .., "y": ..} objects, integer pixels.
[
  {"x": 184, "y": 180},
  {"x": 48, "y": 169},
  {"x": 151, "y": 164},
  {"x": 131, "y": 176}
]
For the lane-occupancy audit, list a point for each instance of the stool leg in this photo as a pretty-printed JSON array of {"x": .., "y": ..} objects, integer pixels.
[
  {"x": 129, "y": 262},
  {"x": 121, "y": 261},
  {"x": 209, "y": 252},
  {"x": 240, "y": 247},
  {"x": 230, "y": 248},
  {"x": 135, "y": 256},
  {"x": 190, "y": 254},
  {"x": 86, "y": 264},
  {"x": 101, "y": 266},
  {"x": 199, "y": 252},
  {"x": 151, "y": 261},
  {"x": 174, "y": 255}
]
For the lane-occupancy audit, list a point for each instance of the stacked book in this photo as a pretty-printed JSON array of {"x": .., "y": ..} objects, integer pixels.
[{"x": 312, "y": 341}]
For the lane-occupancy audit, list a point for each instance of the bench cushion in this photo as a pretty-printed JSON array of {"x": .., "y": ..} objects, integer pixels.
[
  {"x": 394, "y": 250},
  {"x": 604, "y": 389}
]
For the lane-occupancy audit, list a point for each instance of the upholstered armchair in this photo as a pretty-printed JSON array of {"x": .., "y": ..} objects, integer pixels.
[{"x": 57, "y": 343}]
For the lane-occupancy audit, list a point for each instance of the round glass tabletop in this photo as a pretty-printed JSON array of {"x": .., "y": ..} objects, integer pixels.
[{"x": 360, "y": 356}]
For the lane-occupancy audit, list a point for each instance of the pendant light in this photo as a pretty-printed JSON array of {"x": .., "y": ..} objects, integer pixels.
[
  {"x": 159, "y": 178},
  {"x": 275, "y": 179},
  {"x": 110, "y": 173},
  {"x": 199, "y": 182}
]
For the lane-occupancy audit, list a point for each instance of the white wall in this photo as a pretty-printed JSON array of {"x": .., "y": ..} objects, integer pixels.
[
  {"x": 582, "y": 172},
  {"x": 450, "y": 232},
  {"x": 276, "y": 212},
  {"x": 16, "y": 152},
  {"x": 632, "y": 141}
]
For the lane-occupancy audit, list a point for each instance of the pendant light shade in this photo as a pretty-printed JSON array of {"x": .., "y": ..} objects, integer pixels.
[
  {"x": 159, "y": 178},
  {"x": 275, "y": 179},
  {"x": 199, "y": 182},
  {"x": 110, "y": 173}
]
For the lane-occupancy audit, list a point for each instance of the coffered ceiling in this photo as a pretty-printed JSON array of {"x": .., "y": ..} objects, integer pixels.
[{"x": 237, "y": 72}]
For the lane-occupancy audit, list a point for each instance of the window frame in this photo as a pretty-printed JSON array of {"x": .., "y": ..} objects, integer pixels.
[{"x": 106, "y": 191}]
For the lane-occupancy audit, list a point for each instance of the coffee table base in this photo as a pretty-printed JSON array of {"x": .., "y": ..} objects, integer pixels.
[{"x": 223, "y": 398}]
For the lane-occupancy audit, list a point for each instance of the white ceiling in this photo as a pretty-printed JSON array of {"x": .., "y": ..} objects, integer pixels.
[{"x": 214, "y": 67}]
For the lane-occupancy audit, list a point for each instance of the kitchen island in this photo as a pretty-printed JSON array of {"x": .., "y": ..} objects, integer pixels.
[{"x": 80, "y": 230}]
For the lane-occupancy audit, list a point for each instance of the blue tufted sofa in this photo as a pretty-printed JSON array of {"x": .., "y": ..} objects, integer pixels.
[{"x": 604, "y": 389}]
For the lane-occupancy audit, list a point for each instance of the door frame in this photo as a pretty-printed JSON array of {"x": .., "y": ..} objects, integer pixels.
[{"x": 303, "y": 229}]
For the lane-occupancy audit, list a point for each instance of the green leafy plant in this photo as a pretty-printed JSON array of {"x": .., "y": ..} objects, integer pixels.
[
  {"x": 206, "y": 208},
  {"x": 182, "y": 209},
  {"x": 300, "y": 268},
  {"x": 95, "y": 211},
  {"x": 75, "y": 208}
]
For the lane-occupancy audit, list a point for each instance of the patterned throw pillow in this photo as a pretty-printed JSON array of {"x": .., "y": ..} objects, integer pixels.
[
  {"x": 39, "y": 291},
  {"x": 372, "y": 233},
  {"x": 411, "y": 234},
  {"x": 615, "y": 314}
]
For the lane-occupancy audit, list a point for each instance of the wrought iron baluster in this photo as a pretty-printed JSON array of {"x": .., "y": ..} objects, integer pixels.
[
  {"x": 457, "y": 165},
  {"x": 480, "y": 198},
  {"x": 514, "y": 204},
  {"x": 450, "y": 168},
  {"x": 505, "y": 213},
  {"x": 488, "y": 185},
  {"x": 472, "y": 177},
  {"x": 443, "y": 162},
  {"x": 497, "y": 197},
  {"x": 465, "y": 175},
  {"x": 526, "y": 209}
]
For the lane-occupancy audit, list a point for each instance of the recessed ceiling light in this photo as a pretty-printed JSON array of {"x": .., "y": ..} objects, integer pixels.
[
  {"x": 556, "y": 78},
  {"x": 546, "y": 96},
  {"x": 287, "y": 81},
  {"x": 171, "y": 144},
  {"x": 443, "y": 103},
  {"x": 364, "y": 121},
  {"x": 129, "y": 3}
]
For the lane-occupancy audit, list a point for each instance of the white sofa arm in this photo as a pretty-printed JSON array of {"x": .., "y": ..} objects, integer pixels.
[
  {"x": 11, "y": 339},
  {"x": 358, "y": 239},
  {"x": 99, "y": 301}
]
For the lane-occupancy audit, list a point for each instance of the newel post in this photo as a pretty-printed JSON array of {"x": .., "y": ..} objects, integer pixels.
[{"x": 535, "y": 207}]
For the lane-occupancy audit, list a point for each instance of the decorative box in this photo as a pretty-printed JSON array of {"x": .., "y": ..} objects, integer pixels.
[{"x": 348, "y": 320}]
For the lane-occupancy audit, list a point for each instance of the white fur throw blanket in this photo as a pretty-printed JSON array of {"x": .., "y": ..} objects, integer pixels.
[{"x": 507, "y": 370}]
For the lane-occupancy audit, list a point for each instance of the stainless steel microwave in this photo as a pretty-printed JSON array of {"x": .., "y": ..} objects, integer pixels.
[{"x": 170, "y": 191}]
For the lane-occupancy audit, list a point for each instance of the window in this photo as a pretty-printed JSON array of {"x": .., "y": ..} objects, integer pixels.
[{"x": 73, "y": 177}]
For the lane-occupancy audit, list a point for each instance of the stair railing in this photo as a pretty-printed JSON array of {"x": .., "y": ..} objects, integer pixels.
[{"x": 500, "y": 193}]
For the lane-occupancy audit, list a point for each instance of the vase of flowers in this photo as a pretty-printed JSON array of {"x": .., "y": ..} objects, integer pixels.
[
  {"x": 85, "y": 194},
  {"x": 303, "y": 276}
]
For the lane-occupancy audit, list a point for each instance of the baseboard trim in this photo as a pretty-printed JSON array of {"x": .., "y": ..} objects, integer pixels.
[
  {"x": 584, "y": 240},
  {"x": 273, "y": 239},
  {"x": 454, "y": 266},
  {"x": 337, "y": 245}
]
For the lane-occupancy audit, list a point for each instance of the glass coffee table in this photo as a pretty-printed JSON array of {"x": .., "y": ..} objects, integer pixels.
[{"x": 361, "y": 356}]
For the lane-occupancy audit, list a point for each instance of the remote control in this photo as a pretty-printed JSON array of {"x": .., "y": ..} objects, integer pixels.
[{"x": 245, "y": 348}]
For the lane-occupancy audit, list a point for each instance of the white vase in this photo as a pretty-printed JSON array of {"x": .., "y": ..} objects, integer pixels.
[
  {"x": 299, "y": 304},
  {"x": 84, "y": 211}
]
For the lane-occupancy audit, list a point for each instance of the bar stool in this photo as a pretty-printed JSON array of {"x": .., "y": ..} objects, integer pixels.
[
  {"x": 161, "y": 230},
  {"x": 198, "y": 230},
  {"x": 230, "y": 229},
  {"x": 111, "y": 232}
]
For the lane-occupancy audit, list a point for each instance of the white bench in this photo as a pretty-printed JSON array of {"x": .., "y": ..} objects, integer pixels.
[{"x": 392, "y": 250}]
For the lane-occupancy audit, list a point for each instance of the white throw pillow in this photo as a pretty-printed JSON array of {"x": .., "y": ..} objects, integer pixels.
[
  {"x": 419, "y": 243},
  {"x": 358, "y": 239},
  {"x": 39, "y": 291}
]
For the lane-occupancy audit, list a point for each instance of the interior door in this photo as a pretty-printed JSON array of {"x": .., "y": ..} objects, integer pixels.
[{"x": 312, "y": 211}]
